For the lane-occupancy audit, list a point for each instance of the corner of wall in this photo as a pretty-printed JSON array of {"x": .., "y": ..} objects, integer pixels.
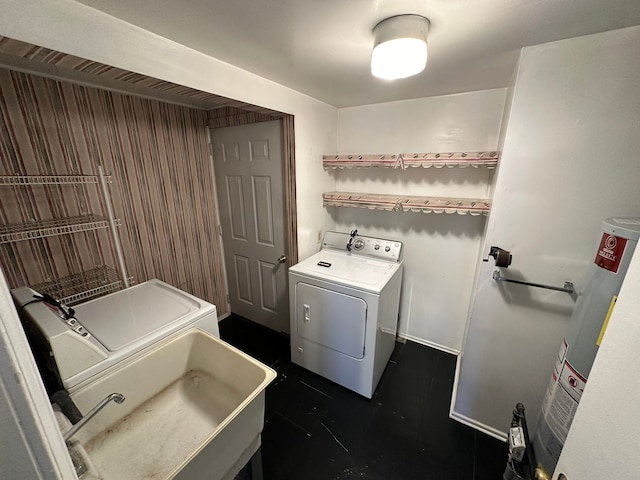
[
  {"x": 504, "y": 124},
  {"x": 508, "y": 103}
]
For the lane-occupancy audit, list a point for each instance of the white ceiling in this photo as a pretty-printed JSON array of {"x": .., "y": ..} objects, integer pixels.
[{"x": 323, "y": 47}]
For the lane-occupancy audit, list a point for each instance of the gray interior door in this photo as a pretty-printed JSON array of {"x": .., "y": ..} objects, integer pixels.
[{"x": 248, "y": 162}]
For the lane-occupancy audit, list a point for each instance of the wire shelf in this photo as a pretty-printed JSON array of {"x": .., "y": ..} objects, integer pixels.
[
  {"x": 48, "y": 228},
  {"x": 404, "y": 203},
  {"x": 50, "y": 179},
  {"x": 79, "y": 287},
  {"x": 83, "y": 286},
  {"x": 406, "y": 160}
]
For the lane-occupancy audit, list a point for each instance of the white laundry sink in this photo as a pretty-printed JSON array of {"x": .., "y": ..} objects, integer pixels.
[{"x": 194, "y": 408}]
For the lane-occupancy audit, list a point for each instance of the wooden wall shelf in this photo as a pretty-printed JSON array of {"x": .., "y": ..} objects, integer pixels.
[
  {"x": 405, "y": 160},
  {"x": 405, "y": 203}
]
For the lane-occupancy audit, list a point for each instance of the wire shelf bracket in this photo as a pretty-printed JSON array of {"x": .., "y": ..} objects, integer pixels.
[{"x": 113, "y": 223}]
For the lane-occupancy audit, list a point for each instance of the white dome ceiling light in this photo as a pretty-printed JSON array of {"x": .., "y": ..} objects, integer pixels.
[{"x": 399, "y": 47}]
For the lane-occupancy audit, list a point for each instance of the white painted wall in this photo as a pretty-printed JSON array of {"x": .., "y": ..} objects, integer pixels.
[
  {"x": 569, "y": 161},
  {"x": 440, "y": 251},
  {"x": 73, "y": 28},
  {"x": 603, "y": 440}
]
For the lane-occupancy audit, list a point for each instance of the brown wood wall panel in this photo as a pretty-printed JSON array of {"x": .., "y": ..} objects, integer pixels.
[
  {"x": 162, "y": 188},
  {"x": 40, "y": 55},
  {"x": 232, "y": 117}
]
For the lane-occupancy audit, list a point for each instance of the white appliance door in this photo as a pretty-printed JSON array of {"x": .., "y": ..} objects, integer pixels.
[{"x": 331, "y": 319}]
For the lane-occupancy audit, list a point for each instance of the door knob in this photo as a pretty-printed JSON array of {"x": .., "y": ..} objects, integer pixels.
[{"x": 282, "y": 259}]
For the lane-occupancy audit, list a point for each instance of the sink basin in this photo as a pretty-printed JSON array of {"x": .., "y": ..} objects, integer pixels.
[{"x": 194, "y": 409}]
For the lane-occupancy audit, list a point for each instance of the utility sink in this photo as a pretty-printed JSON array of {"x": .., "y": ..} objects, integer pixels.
[{"x": 194, "y": 409}]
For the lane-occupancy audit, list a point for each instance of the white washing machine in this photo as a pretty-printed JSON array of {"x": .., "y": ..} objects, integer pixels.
[
  {"x": 106, "y": 331},
  {"x": 344, "y": 309}
]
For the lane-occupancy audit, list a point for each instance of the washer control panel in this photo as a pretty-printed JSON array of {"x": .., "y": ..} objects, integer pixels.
[
  {"x": 358, "y": 244},
  {"x": 390, "y": 250}
]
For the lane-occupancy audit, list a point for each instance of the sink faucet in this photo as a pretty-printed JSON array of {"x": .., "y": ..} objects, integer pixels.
[{"x": 116, "y": 397}]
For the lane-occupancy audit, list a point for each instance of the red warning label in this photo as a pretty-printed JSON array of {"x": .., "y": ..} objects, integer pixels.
[
  {"x": 572, "y": 381},
  {"x": 610, "y": 252}
]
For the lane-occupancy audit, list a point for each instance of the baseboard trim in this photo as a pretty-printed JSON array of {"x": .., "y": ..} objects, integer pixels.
[
  {"x": 481, "y": 427},
  {"x": 427, "y": 343}
]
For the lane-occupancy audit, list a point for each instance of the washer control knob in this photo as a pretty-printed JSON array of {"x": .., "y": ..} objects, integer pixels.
[
  {"x": 358, "y": 244},
  {"x": 387, "y": 248},
  {"x": 376, "y": 247}
]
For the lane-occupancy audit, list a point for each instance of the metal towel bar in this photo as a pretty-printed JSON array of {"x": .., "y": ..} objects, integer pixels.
[{"x": 568, "y": 286}]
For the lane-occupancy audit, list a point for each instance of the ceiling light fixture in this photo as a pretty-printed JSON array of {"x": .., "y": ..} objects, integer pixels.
[{"x": 399, "y": 47}]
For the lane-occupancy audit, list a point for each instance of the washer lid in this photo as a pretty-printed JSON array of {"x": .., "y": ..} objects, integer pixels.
[
  {"x": 351, "y": 270},
  {"x": 130, "y": 315}
]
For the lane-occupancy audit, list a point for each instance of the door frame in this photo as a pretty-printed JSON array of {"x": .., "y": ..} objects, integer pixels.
[
  {"x": 290, "y": 199},
  {"x": 289, "y": 186}
]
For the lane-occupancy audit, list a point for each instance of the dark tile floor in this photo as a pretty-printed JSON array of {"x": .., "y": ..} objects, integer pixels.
[{"x": 315, "y": 429}]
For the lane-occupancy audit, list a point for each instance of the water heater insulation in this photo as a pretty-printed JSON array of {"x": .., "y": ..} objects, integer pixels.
[{"x": 586, "y": 329}]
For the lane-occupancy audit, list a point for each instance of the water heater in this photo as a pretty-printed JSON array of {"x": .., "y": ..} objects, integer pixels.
[{"x": 586, "y": 328}]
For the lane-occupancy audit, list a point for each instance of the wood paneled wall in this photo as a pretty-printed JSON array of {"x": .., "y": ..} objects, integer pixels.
[
  {"x": 162, "y": 188},
  {"x": 232, "y": 117}
]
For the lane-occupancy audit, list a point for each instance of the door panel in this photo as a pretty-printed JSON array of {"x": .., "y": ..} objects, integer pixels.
[
  {"x": 230, "y": 151},
  {"x": 243, "y": 279},
  {"x": 268, "y": 286},
  {"x": 259, "y": 150},
  {"x": 236, "y": 206},
  {"x": 264, "y": 210},
  {"x": 249, "y": 167}
]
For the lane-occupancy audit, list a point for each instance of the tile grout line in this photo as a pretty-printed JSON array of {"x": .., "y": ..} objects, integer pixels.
[
  {"x": 314, "y": 388},
  {"x": 433, "y": 377},
  {"x": 300, "y": 427},
  {"x": 334, "y": 437},
  {"x": 475, "y": 446}
]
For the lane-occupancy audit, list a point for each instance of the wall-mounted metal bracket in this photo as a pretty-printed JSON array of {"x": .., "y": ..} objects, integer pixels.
[
  {"x": 501, "y": 256},
  {"x": 568, "y": 286}
]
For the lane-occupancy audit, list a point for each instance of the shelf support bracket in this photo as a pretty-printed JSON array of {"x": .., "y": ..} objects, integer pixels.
[
  {"x": 568, "y": 286},
  {"x": 112, "y": 225}
]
